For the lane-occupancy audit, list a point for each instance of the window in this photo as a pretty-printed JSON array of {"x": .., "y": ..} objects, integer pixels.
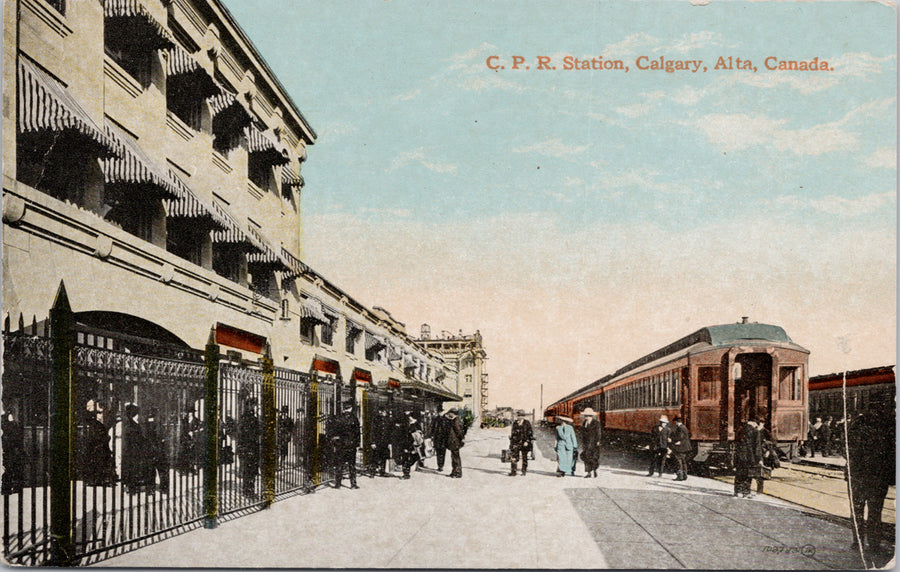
[
  {"x": 58, "y": 5},
  {"x": 307, "y": 329},
  {"x": 184, "y": 104},
  {"x": 789, "y": 386},
  {"x": 227, "y": 262},
  {"x": 706, "y": 383},
  {"x": 133, "y": 214},
  {"x": 259, "y": 171},
  {"x": 185, "y": 239},
  {"x": 352, "y": 336},
  {"x": 285, "y": 309},
  {"x": 328, "y": 330},
  {"x": 131, "y": 57}
]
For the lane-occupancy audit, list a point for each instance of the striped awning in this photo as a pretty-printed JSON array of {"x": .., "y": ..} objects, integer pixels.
[
  {"x": 240, "y": 235},
  {"x": 267, "y": 254},
  {"x": 408, "y": 361},
  {"x": 142, "y": 27},
  {"x": 289, "y": 178},
  {"x": 134, "y": 166},
  {"x": 311, "y": 309},
  {"x": 183, "y": 67},
  {"x": 353, "y": 329},
  {"x": 295, "y": 266},
  {"x": 374, "y": 343},
  {"x": 44, "y": 104},
  {"x": 228, "y": 110},
  {"x": 265, "y": 142},
  {"x": 393, "y": 352},
  {"x": 192, "y": 205}
]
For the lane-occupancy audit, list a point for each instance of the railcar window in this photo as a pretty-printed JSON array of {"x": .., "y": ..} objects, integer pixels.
[
  {"x": 789, "y": 384},
  {"x": 706, "y": 382}
]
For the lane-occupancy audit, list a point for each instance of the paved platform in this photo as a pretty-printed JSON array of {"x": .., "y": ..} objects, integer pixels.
[{"x": 621, "y": 519}]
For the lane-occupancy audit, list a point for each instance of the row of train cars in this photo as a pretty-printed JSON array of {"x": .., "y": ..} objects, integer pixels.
[{"x": 718, "y": 377}]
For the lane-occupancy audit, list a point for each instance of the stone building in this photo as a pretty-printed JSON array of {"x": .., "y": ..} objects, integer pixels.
[
  {"x": 152, "y": 162},
  {"x": 467, "y": 355}
]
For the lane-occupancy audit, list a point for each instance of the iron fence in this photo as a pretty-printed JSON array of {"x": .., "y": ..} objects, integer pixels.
[{"x": 112, "y": 441}]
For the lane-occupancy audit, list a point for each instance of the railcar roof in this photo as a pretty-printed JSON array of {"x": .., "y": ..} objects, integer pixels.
[{"x": 716, "y": 336}]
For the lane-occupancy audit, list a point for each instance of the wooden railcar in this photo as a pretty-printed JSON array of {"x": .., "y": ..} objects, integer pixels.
[
  {"x": 715, "y": 379},
  {"x": 866, "y": 388}
]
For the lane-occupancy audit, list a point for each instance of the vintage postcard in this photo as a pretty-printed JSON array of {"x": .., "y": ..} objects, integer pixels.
[{"x": 473, "y": 285}]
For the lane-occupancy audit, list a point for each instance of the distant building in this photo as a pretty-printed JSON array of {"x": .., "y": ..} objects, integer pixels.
[{"x": 467, "y": 354}]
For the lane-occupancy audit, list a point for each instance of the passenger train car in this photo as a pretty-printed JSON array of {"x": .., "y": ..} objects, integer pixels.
[
  {"x": 715, "y": 379},
  {"x": 866, "y": 388}
]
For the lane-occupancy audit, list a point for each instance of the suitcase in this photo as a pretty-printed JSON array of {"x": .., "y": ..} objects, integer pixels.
[{"x": 504, "y": 456}]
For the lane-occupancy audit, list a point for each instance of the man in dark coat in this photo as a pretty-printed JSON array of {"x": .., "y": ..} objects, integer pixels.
[
  {"x": 344, "y": 435},
  {"x": 248, "y": 447},
  {"x": 284, "y": 428},
  {"x": 137, "y": 472},
  {"x": 454, "y": 443},
  {"x": 156, "y": 451},
  {"x": 189, "y": 451},
  {"x": 747, "y": 454},
  {"x": 381, "y": 441},
  {"x": 872, "y": 454},
  {"x": 96, "y": 464},
  {"x": 402, "y": 441},
  {"x": 659, "y": 445},
  {"x": 825, "y": 437},
  {"x": 681, "y": 448},
  {"x": 440, "y": 432},
  {"x": 590, "y": 442},
  {"x": 520, "y": 439}
]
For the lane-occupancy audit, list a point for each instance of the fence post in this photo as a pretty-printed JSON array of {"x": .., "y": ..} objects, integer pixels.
[
  {"x": 269, "y": 427},
  {"x": 313, "y": 430},
  {"x": 61, "y": 431},
  {"x": 211, "y": 414}
]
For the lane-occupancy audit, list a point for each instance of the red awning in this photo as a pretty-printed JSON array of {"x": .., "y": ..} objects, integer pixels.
[
  {"x": 326, "y": 365},
  {"x": 240, "y": 339},
  {"x": 362, "y": 376},
  {"x": 394, "y": 383}
]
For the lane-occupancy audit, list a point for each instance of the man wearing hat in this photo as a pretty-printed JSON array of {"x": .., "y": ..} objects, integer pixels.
[
  {"x": 344, "y": 434},
  {"x": 520, "y": 442},
  {"x": 590, "y": 442},
  {"x": 659, "y": 445},
  {"x": 681, "y": 448},
  {"x": 455, "y": 443}
]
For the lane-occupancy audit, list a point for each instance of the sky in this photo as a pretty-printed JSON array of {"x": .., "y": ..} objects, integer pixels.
[{"x": 580, "y": 219}]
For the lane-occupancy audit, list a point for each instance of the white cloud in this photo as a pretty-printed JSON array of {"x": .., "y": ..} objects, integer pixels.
[
  {"x": 731, "y": 132},
  {"x": 645, "y": 180},
  {"x": 629, "y": 45},
  {"x": 885, "y": 157},
  {"x": 835, "y": 205},
  {"x": 692, "y": 42},
  {"x": 553, "y": 148},
  {"x": 420, "y": 156},
  {"x": 408, "y": 95}
]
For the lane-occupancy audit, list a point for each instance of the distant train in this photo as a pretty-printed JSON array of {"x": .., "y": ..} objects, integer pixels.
[
  {"x": 865, "y": 389},
  {"x": 715, "y": 379}
]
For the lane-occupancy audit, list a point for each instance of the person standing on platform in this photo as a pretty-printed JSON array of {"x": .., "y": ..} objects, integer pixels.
[
  {"x": 403, "y": 444},
  {"x": 381, "y": 441},
  {"x": 440, "y": 433},
  {"x": 814, "y": 444},
  {"x": 566, "y": 447},
  {"x": 872, "y": 454},
  {"x": 681, "y": 448},
  {"x": 590, "y": 442},
  {"x": 747, "y": 455},
  {"x": 344, "y": 434},
  {"x": 248, "y": 445},
  {"x": 659, "y": 445},
  {"x": 455, "y": 441},
  {"x": 825, "y": 437},
  {"x": 520, "y": 440}
]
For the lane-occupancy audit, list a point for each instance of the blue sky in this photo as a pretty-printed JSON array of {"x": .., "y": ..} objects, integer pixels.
[{"x": 580, "y": 219}]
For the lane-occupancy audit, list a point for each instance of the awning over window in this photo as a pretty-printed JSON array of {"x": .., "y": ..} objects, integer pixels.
[
  {"x": 228, "y": 113},
  {"x": 326, "y": 365},
  {"x": 44, "y": 104},
  {"x": 408, "y": 361},
  {"x": 135, "y": 166},
  {"x": 437, "y": 391},
  {"x": 134, "y": 21},
  {"x": 353, "y": 329},
  {"x": 264, "y": 142},
  {"x": 191, "y": 205},
  {"x": 290, "y": 179},
  {"x": 267, "y": 254},
  {"x": 244, "y": 236},
  {"x": 361, "y": 375},
  {"x": 311, "y": 309},
  {"x": 374, "y": 343},
  {"x": 182, "y": 67},
  {"x": 295, "y": 266}
]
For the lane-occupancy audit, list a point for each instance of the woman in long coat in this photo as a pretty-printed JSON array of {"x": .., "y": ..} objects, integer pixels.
[
  {"x": 566, "y": 447},
  {"x": 590, "y": 442}
]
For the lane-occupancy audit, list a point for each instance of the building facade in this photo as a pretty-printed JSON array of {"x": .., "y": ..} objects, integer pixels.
[
  {"x": 152, "y": 163},
  {"x": 465, "y": 353}
]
